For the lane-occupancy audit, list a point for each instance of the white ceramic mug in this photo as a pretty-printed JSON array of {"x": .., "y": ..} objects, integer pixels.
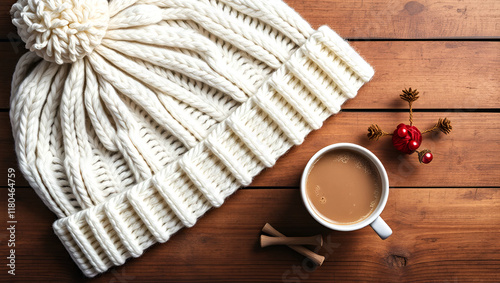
[{"x": 374, "y": 220}]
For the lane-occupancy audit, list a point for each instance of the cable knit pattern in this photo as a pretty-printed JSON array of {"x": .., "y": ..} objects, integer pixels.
[{"x": 144, "y": 114}]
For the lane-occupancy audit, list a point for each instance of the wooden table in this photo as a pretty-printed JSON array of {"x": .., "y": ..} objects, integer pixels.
[{"x": 445, "y": 215}]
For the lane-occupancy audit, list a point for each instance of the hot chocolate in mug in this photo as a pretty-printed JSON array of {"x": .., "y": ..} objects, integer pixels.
[{"x": 341, "y": 176}]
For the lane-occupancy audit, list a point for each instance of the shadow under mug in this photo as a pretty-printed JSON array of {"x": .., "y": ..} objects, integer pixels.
[{"x": 374, "y": 219}]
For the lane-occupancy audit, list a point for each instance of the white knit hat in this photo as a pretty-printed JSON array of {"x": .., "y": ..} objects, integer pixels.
[{"x": 144, "y": 114}]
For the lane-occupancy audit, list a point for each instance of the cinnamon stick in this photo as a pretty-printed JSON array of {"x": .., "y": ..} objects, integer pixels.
[
  {"x": 291, "y": 241},
  {"x": 314, "y": 257}
]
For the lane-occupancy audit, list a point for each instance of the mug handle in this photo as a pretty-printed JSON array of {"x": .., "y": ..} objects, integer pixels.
[{"x": 381, "y": 228}]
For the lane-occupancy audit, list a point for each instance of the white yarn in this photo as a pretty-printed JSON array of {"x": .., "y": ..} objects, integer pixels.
[
  {"x": 61, "y": 31},
  {"x": 165, "y": 108}
]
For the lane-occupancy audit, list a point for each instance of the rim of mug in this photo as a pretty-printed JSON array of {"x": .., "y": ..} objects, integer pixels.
[{"x": 383, "y": 176}]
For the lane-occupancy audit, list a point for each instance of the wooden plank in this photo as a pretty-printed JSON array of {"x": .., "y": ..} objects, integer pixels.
[
  {"x": 442, "y": 71},
  {"x": 457, "y": 161},
  {"x": 7, "y": 29},
  {"x": 439, "y": 234},
  {"x": 381, "y": 18},
  {"x": 10, "y": 52},
  {"x": 403, "y": 18},
  {"x": 466, "y": 157}
]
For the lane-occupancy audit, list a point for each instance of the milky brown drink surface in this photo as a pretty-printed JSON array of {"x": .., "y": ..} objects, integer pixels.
[{"x": 343, "y": 186}]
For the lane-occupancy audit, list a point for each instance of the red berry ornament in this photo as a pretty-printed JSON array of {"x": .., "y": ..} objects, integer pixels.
[
  {"x": 408, "y": 143},
  {"x": 407, "y": 138},
  {"x": 402, "y": 131},
  {"x": 427, "y": 158},
  {"x": 413, "y": 145}
]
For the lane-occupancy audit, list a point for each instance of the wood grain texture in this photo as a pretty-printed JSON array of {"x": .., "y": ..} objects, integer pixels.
[
  {"x": 448, "y": 74},
  {"x": 8, "y": 157},
  {"x": 7, "y": 29},
  {"x": 458, "y": 162},
  {"x": 380, "y": 18},
  {"x": 442, "y": 71},
  {"x": 403, "y": 18},
  {"x": 10, "y": 52},
  {"x": 446, "y": 235}
]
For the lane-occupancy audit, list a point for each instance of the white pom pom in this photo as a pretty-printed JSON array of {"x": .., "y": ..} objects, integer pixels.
[{"x": 61, "y": 31}]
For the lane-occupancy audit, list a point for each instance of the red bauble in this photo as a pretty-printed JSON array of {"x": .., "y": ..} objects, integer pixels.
[
  {"x": 427, "y": 158},
  {"x": 413, "y": 145},
  {"x": 402, "y": 143},
  {"x": 402, "y": 132}
]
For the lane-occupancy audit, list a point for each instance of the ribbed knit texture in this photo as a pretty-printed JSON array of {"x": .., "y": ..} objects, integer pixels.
[{"x": 142, "y": 115}]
